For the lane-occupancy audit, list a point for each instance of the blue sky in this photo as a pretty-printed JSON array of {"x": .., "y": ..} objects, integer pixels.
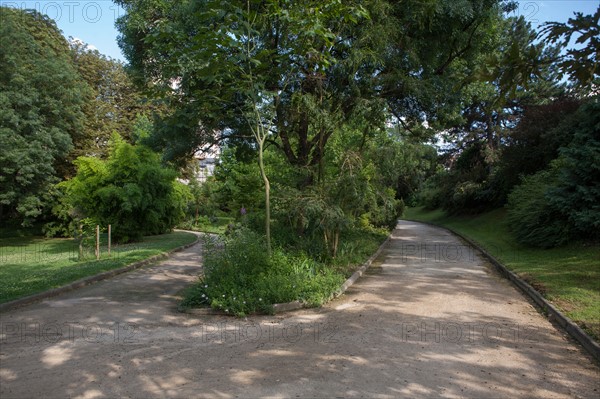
[{"x": 94, "y": 21}]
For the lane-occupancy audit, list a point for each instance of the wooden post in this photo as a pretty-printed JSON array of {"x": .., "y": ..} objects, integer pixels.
[
  {"x": 80, "y": 241},
  {"x": 109, "y": 240},
  {"x": 97, "y": 242}
]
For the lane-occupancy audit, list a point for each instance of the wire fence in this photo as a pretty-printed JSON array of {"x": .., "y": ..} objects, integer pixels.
[{"x": 62, "y": 250}]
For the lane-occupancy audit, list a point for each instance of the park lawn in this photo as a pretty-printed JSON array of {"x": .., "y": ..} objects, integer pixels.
[
  {"x": 217, "y": 226},
  {"x": 569, "y": 276},
  {"x": 29, "y": 265}
]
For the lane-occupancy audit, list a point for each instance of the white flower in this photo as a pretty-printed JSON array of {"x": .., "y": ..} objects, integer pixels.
[
  {"x": 223, "y": 295},
  {"x": 206, "y": 286},
  {"x": 203, "y": 296},
  {"x": 227, "y": 310},
  {"x": 244, "y": 302},
  {"x": 260, "y": 299}
]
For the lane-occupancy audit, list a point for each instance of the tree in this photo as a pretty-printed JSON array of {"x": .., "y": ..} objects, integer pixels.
[
  {"x": 542, "y": 130},
  {"x": 516, "y": 74},
  {"x": 293, "y": 56},
  {"x": 581, "y": 64},
  {"x": 113, "y": 103},
  {"x": 432, "y": 52},
  {"x": 41, "y": 109},
  {"x": 259, "y": 73}
]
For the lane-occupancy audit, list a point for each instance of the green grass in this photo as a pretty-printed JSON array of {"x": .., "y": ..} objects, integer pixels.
[
  {"x": 29, "y": 265},
  {"x": 569, "y": 276},
  {"x": 355, "y": 248},
  {"x": 217, "y": 226}
]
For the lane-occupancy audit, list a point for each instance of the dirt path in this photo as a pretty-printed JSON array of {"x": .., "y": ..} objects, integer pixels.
[{"x": 430, "y": 319}]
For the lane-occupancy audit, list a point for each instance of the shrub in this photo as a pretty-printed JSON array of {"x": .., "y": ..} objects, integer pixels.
[
  {"x": 436, "y": 190},
  {"x": 577, "y": 191},
  {"x": 131, "y": 190},
  {"x": 531, "y": 217},
  {"x": 239, "y": 278},
  {"x": 561, "y": 203}
]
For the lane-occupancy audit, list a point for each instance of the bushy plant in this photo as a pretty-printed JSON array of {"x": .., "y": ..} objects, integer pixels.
[
  {"x": 240, "y": 278},
  {"x": 131, "y": 190},
  {"x": 531, "y": 217},
  {"x": 561, "y": 203},
  {"x": 435, "y": 190},
  {"x": 577, "y": 191}
]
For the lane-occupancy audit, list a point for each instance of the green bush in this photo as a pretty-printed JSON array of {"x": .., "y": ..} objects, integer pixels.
[
  {"x": 531, "y": 217},
  {"x": 562, "y": 203},
  {"x": 577, "y": 191},
  {"x": 436, "y": 190},
  {"x": 239, "y": 277},
  {"x": 131, "y": 190}
]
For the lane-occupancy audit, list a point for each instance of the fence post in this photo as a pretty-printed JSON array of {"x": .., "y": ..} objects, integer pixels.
[
  {"x": 109, "y": 239},
  {"x": 80, "y": 241},
  {"x": 97, "y": 242}
]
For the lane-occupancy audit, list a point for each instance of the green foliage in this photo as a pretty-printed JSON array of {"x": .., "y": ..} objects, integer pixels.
[
  {"x": 531, "y": 217},
  {"x": 131, "y": 190},
  {"x": 240, "y": 278},
  {"x": 213, "y": 224},
  {"x": 401, "y": 164},
  {"x": 239, "y": 183},
  {"x": 41, "y": 100},
  {"x": 580, "y": 63},
  {"x": 511, "y": 78},
  {"x": 559, "y": 204},
  {"x": 577, "y": 191},
  {"x": 535, "y": 142},
  {"x": 113, "y": 104}
]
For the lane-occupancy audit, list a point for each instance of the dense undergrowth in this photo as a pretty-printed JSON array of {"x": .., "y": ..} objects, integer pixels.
[{"x": 240, "y": 278}]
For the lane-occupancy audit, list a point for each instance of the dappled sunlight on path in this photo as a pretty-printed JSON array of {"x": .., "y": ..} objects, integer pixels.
[{"x": 429, "y": 319}]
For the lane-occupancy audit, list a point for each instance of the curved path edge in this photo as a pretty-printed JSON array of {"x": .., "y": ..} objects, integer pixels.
[
  {"x": 95, "y": 278},
  {"x": 295, "y": 305},
  {"x": 550, "y": 310}
]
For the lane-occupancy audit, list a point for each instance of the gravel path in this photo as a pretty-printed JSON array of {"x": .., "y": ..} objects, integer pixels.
[{"x": 429, "y": 319}]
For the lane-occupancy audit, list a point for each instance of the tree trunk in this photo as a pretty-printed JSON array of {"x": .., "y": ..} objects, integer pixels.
[{"x": 263, "y": 173}]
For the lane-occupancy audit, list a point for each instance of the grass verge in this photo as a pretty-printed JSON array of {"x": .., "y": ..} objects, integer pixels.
[
  {"x": 568, "y": 276},
  {"x": 29, "y": 265}
]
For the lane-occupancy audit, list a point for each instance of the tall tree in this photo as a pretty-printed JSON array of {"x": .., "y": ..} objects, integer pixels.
[
  {"x": 262, "y": 72},
  {"x": 580, "y": 64},
  {"x": 300, "y": 54},
  {"x": 113, "y": 104},
  {"x": 322, "y": 62},
  {"x": 41, "y": 101}
]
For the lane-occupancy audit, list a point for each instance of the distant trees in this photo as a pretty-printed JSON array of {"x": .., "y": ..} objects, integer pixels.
[
  {"x": 540, "y": 163},
  {"x": 113, "y": 103}
]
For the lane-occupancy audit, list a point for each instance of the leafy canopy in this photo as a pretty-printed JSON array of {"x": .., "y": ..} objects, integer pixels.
[{"x": 41, "y": 109}]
